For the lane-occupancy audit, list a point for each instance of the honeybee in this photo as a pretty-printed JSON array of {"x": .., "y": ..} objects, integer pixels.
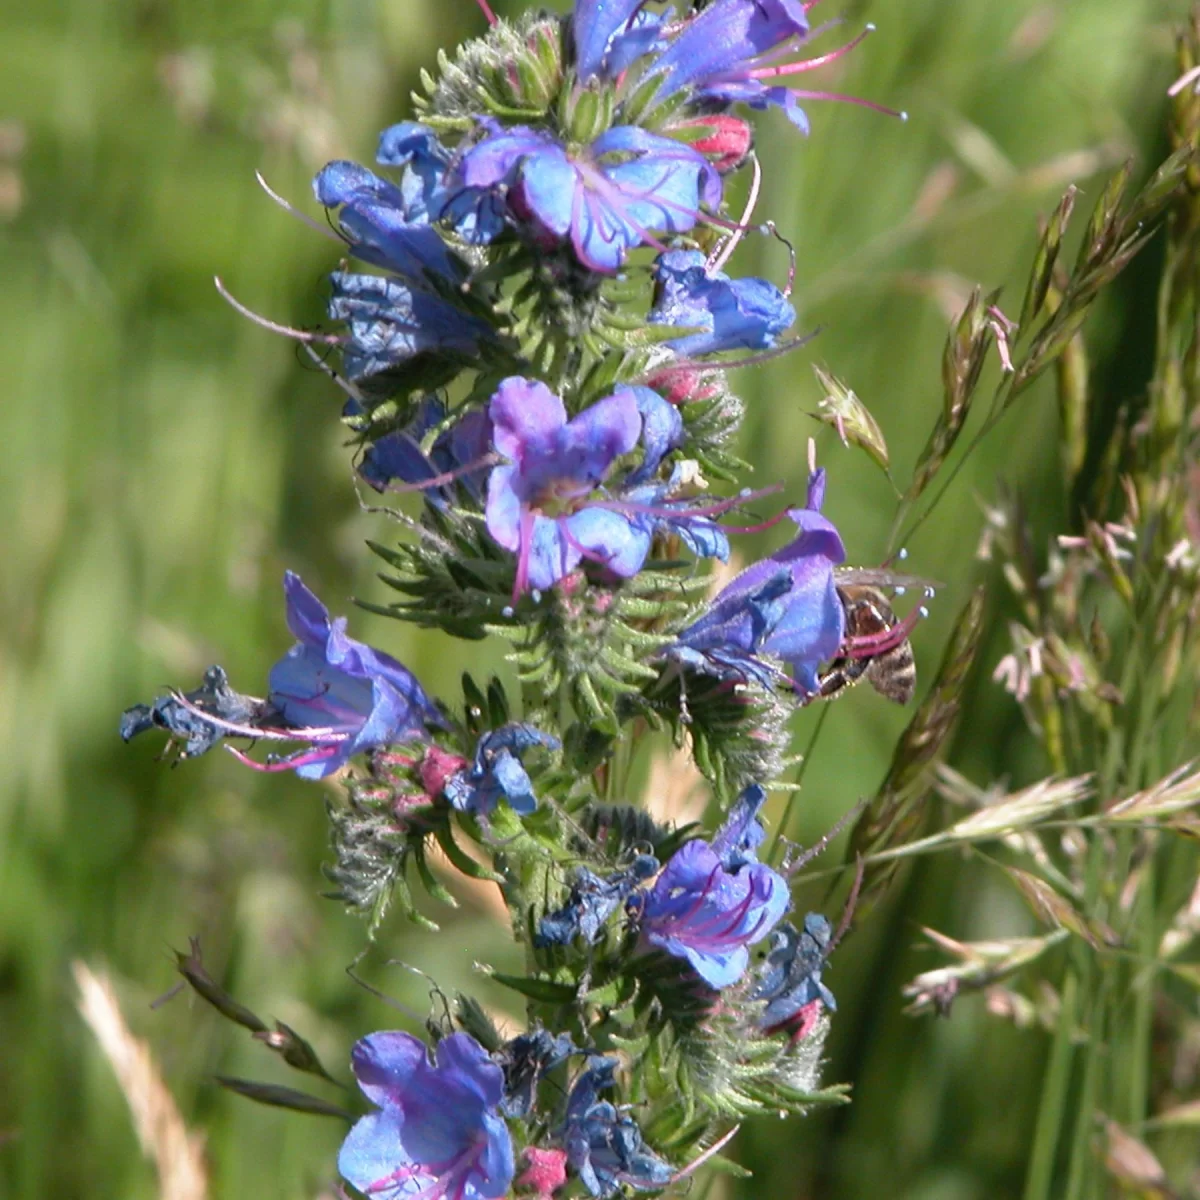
[{"x": 892, "y": 671}]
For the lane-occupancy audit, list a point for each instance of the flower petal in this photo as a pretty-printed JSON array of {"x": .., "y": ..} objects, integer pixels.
[
  {"x": 523, "y": 411},
  {"x": 610, "y": 539},
  {"x": 549, "y": 188},
  {"x": 386, "y": 1065},
  {"x": 374, "y": 1160}
]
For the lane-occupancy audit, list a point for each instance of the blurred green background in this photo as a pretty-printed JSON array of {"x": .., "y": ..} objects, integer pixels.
[{"x": 162, "y": 461}]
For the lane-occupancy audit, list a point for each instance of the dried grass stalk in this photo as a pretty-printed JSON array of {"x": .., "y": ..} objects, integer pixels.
[{"x": 177, "y": 1154}]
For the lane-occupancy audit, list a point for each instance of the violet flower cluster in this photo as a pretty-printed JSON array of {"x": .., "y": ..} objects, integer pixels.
[{"x": 533, "y": 344}]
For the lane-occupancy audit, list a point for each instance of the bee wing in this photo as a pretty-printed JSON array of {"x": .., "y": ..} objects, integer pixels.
[{"x": 882, "y": 577}]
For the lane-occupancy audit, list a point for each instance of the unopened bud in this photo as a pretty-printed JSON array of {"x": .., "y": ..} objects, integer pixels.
[{"x": 723, "y": 139}]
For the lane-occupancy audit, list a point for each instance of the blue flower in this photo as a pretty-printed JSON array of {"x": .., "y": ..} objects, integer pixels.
[
  {"x": 424, "y": 160},
  {"x": 398, "y": 455},
  {"x": 190, "y": 718},
  {"x": 725, "y": 52},
  {"x": 712, "y": 901},
  {"x": 786, "y": 606},
  {"x": 663, "y": 509},
  {"x": 790, "y": 978},
  {"x": 524, "y": 1060},
  {"x": 343, "y": 696},
  {"x": 437, "y": 1133},
  {"x": 620, "y": 192},
  {"x": 605, "y": 1146},
  {"x": 590, "y": 902},
  {"x": 383, "y": 226},
  {"x": 662, "y": 431},
  {"x": 610, "y": 35},
  {"x": 475, "y": 216},
  {"x": 392, "y": 321},
  {"x": 745, "y": 314},
  {"x": 497, "y": 772}
]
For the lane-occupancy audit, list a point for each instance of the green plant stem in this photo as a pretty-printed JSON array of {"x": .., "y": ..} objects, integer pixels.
[
  {"x": 785, "y": 819},
  {"x": 1095, "y": 1051},
  {"x": 1052, "y": 1105},
  {"x": 1139, "y": 1032}
]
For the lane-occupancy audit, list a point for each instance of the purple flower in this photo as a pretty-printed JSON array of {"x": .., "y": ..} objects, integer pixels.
[
  {"x": 342, "y": 695},
  {"x": 604, "y": 1146},
  {"x": 623, "y": 190},
  {"x": 610, "y": 35},
  {"x": 437, "y": 1133},
  {"x": 497, "y": 772},
  {"x": 537, "y": 501},
  {"x": 543, "y": 504},
  {"x": 732, "y": 314},
  {"x": 790, "y": 978},
  {"x": 712, "y": 901},
  {"x": 786, "y": 606},
  {"x": 591, "y": 901},
  {"x": 726, "y": 51}
]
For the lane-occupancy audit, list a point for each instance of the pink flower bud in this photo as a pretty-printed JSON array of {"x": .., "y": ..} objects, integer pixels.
[{"x": 723, "y": 139}]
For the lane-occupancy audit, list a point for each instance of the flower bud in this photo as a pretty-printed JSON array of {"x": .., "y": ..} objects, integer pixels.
[{"x": 723, "y": 139}]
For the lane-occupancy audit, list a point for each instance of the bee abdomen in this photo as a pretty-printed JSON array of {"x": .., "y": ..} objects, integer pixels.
[{"x": 894, "y": 674}]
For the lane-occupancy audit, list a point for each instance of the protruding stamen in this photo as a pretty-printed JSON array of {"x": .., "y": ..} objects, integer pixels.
[
  {"x": 721, "y": 256},
  {"x": 715, "y": 509},
  {"x": 486, "y": 460},
  {"x": 900, "y": 114},
  {"x": 289, "y": 207},
  {"x": 812, "y": 456},
  {"x": 773, "y": 230},
  {"x": 301, "y": 335},
  {"x": 487, "y": 11},
  {"x": 810, "y": 64},
  {"x": 715, "y": 1148},
  {"x": 327, "y": 370}
]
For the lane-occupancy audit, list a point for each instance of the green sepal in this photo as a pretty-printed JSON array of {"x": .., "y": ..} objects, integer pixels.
[
  {"x": 545, "y": 991},
  {"x": 469, "y": 1014},
  {"x": 429, "y": 881},
  {"x": 463, "y": 861}
]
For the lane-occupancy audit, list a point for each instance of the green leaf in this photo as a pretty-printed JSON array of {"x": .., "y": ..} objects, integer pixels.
[{"x": 545, "y": 991}]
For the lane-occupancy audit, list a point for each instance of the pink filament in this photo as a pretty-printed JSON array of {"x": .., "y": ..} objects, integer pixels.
[
  {"x": 487, "y": 460},
  {"x": 844, "y": 99},
  {"x": 810, "y": 64}
]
